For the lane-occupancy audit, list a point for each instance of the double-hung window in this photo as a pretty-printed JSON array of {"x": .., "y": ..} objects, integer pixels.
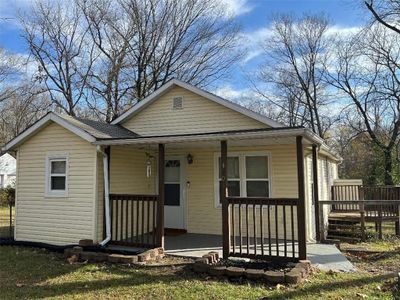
[
  {"x": 57, "y": 176},
  {"x": 248, "y": 175}
]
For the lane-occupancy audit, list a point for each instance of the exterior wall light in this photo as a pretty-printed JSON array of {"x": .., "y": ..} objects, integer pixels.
[{"x": 189, "y": 158}]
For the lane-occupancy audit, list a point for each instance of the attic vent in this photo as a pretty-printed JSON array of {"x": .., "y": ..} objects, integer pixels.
[{"x": 177, "y": 103}]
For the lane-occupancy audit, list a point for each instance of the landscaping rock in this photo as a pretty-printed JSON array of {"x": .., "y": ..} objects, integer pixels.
[
  {"x": 217, "y": 270},
  {"x": 234, "y": 272},
  {"x": 94, "y": 256},
  {"x": 274, "y": 276},
  {"x": 124, "y": 259},
  {"x": 294, "y": 276},
  {"x": 143, "y": 257},
  {"x": 305, "y": 264},
  {"x": 209, "y": 257},
  {"x": 200, "y": 267},
  {"x": 254, "y": 273},
  {"x": 85, "y": 243},
  {"x": 202, "y": 260},
  {"x": 215, "y": 255},
  {"x": 73, "y": 259},
  {"x": 77, "y": 249}
]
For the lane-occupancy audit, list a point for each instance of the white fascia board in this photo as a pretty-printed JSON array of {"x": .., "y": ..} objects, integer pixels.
[
  {"x": 205, "y": 137},
  {"x": 231, "y": 105},
  {"x": 40, "y": 124}
]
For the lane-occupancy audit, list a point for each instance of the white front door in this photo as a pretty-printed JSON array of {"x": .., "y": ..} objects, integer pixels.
[{"x": 174, "y": 194}]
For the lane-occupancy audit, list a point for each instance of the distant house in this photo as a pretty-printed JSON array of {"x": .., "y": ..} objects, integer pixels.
[
  {"x": 7, "y": 170},
  {"x": 161, "y": 169}
]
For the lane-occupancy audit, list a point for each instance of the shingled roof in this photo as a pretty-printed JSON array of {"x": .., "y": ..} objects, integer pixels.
[{"x": 99, "y": 130}]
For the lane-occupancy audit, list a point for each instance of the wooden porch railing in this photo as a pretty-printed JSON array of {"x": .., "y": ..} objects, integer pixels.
[
  {"x": 263, "y": 228},
  {"x": 134, "y": 220}
]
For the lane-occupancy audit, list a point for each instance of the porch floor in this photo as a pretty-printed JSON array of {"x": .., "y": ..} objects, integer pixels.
[{"x": 325, "y": 257}]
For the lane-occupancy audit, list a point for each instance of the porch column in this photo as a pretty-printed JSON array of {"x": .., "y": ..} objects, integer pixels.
[
  {"x": 318, "y": 222},
  {"x": 301, "y": 207},
  {"x": 224, "y": 201},
  {"x": 160, "y": 207}
]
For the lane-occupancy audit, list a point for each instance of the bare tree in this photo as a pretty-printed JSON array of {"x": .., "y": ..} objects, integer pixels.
[
  {"x": 60, "y": 46},
  {"x": 24, "y": 107},
  {"x": 296, "y": 55},
  {"x": 193, "y": 40},
  {"x": 10, "y": 69},
  {"x": 367, "y": 73},
  {"x": 385, "y": 12},
  {"x": 110, "y": 78}
]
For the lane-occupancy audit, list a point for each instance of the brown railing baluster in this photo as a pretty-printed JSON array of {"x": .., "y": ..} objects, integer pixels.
[
  {"x": 137, "y": 221},
  {"x": 118, "y": 220},
  {"x": 261, "y": 228},
  {"x": 247, "y": 227},
  {"x": 276, "y": 228},
  {"x": 240, "y": 228},
  {"x": 254, "y": 228},
  {"x": 284, "y": 230},
  {"x": 148, "y": 221},
  {"x": 143, "y": 222},
  {"x": 292, "y": 228},
  {"x": 126, "y": 222},
  {"x": 132, "y": 220},
  {"x": 269, "y": 232},
  {"x": 233, "y": 225}
]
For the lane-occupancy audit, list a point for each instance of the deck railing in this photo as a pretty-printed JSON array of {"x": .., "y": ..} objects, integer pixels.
[
  {"x": 375, "y": 211},
  {"x": 133, "y": 220},
  {"x": 263, "y": 228}
]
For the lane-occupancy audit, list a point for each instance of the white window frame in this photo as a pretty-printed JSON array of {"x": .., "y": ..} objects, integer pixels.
[
  {"x": 242, "y": 173},
  {"x": 2, "y": 180},
  {"x": 56, "y": 193}
]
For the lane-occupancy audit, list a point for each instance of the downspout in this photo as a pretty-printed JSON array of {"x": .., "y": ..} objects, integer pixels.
[{"x": 106, "y": 196}]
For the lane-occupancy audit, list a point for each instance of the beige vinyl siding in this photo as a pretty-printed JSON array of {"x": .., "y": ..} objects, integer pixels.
[
  {"x": 128, "y": 171},
  {"x": 197, "y": 116},
  {"x": 52, "y": 220},
  {"x": 128, "y": 175}
]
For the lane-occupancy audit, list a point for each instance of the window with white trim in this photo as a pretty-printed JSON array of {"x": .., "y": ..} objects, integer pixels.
[
  {"x": 57, "y": 176},
  {"x": 248, "y": 175}
]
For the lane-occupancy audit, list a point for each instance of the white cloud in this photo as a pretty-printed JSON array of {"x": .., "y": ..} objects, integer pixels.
[
  {"x": 236, "y": 7},
  {"x": 253, "y": 40},
  {"x": 340, "y": 30}
]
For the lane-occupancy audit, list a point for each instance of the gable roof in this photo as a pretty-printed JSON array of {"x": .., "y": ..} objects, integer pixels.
[
  {"x": 89, "y": 130},
  {"x": 135, "y": 109}
]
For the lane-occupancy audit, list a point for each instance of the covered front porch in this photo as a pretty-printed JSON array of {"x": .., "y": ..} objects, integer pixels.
[{"x": 268, "y": 226}]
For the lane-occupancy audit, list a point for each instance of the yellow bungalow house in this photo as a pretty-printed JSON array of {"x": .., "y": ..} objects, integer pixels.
[{"x": 226, "y": 172}]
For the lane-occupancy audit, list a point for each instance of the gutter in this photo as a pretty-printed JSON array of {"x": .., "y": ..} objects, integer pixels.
[{"x": 106, "y": 196}]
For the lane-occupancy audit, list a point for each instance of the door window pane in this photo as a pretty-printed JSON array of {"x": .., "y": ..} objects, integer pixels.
[
  {"x": 256, "y": 167},
  {"x": 58, "y": 167},
  {"x": 257, "y": 189},
  {"x": 172, "y": 171},
  {"x": 232, "y": 167},
  {"x": 58, "y": 183},
  {"x": 172, "y": 194}
]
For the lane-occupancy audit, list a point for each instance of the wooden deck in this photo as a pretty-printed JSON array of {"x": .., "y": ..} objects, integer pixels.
[{"x": 355, "y": 216}]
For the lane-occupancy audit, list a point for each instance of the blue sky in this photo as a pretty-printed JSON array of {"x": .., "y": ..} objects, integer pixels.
[{"x": 253, "y": 15}]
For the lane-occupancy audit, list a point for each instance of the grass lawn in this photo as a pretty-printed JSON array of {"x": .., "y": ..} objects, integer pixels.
[{"x": 33, "y": 273}]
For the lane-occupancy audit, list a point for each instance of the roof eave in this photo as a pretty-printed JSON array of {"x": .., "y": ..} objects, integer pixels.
[{"x": 50, "y": 117}]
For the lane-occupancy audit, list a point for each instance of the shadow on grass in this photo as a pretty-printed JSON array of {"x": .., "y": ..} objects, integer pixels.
[{"x": 319, "y": 288}]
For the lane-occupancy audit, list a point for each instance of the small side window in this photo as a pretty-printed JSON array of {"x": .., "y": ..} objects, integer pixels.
[{"x": 56, "y": 177}]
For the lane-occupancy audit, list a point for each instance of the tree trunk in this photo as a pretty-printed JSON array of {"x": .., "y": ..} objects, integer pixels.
[{"x": 388, "y": 167}]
